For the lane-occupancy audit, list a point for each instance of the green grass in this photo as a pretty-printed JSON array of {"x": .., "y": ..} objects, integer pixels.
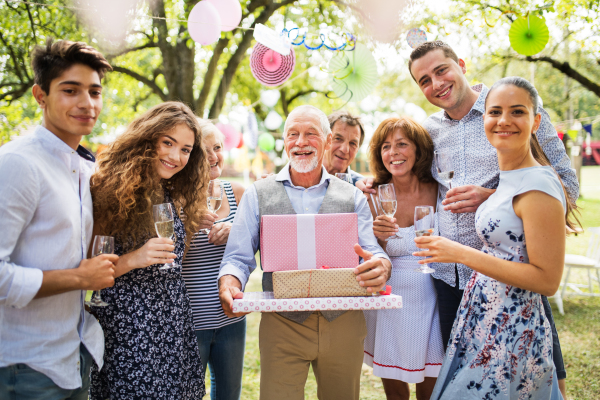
[{"x": 579, "y": 329}]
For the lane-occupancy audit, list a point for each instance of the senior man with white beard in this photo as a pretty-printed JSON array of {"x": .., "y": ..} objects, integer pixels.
[{"x": 330, "y": 341}]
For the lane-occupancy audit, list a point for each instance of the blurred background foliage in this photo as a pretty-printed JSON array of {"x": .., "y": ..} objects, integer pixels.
[{"x": 158, "y": 61}]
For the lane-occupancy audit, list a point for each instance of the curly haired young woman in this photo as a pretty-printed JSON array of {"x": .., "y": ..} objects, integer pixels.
[{"x": 151, "y": 349}]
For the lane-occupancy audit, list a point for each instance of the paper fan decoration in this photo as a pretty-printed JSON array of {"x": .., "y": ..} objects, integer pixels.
[
  {"x": 269, "y": 67},
  {"x": 354, "y": 73},
  {"x": 529, "y": 35},
  {"x": 415, "y": 37}
]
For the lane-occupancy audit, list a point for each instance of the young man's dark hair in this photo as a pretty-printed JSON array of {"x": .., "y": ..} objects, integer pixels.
[
  {"x": 424, "y": 48},
  {"x": 347, "y": 118},
  {"x": 50, "y": 61}
]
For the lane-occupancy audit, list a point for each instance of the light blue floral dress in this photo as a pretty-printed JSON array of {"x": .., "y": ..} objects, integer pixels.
[{"x": 501, "y": 343}]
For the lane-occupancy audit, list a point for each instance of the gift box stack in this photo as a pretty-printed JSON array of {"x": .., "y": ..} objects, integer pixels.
[
  {"x": 312, "y": 259},
  {"x": 311, "y": 255}
]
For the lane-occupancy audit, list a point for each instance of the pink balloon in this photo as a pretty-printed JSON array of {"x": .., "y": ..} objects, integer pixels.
[
  {"x": 232, "y": 136},
  {"x": 204, "y": 23},
  {"x": 230, "y": 12}
]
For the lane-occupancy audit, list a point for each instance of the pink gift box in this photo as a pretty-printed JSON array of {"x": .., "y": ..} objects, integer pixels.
[
  {"x": 308, "y": 241},
  {"x": 265, "y": 302}
]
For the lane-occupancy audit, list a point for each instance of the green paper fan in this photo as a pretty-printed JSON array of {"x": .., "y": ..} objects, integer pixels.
[
  {"x": 529, "y": 35},
  {"x": 354, "y": 73}
]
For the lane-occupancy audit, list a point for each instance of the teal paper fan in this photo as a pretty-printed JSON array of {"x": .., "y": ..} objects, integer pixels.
[
  {"x": 529, "y": 35},
  {"x": 354, "y": 73}
]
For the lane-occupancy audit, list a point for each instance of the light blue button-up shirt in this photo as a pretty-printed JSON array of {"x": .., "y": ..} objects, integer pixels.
[
  {"x": 46, "y": 221},
  {"x": 244, "y": 238}
]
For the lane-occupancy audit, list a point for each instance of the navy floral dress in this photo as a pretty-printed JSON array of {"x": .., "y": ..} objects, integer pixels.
[
  {"x": 150, "y": 345},
  {"x": 501, "y": 342}
]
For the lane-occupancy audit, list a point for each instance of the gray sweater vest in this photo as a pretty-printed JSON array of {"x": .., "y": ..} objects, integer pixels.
[{"x": 273, "y": 200}]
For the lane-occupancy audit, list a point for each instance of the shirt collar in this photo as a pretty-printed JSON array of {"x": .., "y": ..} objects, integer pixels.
[
  {"x": 479, "y": 104},
  {"x": 54, "y": 143},
  {"x": 284, "y": 176}
]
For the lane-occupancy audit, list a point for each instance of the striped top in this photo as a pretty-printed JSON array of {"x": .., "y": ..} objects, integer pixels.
[{"x": 200, "y": 271}]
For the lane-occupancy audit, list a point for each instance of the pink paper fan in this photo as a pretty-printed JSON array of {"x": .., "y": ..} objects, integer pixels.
[
  {"x": 415, "y": 37},
  {"x": 269, "y": 67}
]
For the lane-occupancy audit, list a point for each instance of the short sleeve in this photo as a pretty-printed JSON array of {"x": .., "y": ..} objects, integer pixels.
[{"x": 544, "y": 180}]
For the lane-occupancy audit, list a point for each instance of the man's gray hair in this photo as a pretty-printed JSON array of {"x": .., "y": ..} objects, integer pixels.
[{"x": 324, "y": 122}]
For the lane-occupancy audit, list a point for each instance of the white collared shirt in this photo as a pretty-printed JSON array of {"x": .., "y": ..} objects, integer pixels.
[{"x": 46, "y": 219}]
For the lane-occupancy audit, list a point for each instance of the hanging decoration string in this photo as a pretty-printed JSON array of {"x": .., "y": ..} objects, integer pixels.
[{"x": 350, "y": 40}]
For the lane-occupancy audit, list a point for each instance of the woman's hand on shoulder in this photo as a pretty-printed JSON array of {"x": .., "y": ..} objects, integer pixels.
[
  {"x": 155, "y": 251},
  {"x": 219, "y": 233},
  {"x": 384, "y": 227}
]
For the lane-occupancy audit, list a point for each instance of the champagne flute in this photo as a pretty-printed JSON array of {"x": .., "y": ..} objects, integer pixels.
[
  {"x": 443, "y": 164},
  {"x": 102, "y": 245},
  {"x": 164, "y": 224},
  {"x": 214, "y": 199},
  {"x": 424, "y": 224},
  {"x": 387, "y": 203},
  {"x": 344, "y": 176}
]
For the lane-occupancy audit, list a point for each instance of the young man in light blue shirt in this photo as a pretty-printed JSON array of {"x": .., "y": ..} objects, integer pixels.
[{"x": 47, "y": 340}]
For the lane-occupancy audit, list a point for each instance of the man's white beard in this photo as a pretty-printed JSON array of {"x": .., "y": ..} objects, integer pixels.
[{"x": 304, "y": 166}]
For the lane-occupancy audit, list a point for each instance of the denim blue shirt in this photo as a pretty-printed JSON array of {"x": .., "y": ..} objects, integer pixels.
[
  {"x": 244, "y": 238},
  {"x": 46, "y": 220}
]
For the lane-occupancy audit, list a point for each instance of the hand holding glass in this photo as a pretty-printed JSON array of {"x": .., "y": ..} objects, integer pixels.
[
  {"x": 388, "y": 203},
  {"x": 424, "y": 224},
  {"x": 102, "y": 245},
  {"x": 164, "y": 224},
  {"x": 214, "y": 199}
]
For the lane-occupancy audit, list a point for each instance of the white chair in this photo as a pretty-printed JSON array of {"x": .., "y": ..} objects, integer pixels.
[{"x": 591, "y": 261}]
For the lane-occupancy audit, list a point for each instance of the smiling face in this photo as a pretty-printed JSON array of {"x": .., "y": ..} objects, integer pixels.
[
  {"x": 441, "y": 79},
  {"x": 214, "y": 155},
  {"x": 509, "y": 118},
  {"x": 73, "y": 103},
  {"x": 398, "y": 153},
  {"x": 173, "y": 150},
  {"x": 305, "y": 143},
  {"x": 344, "y": 147}
]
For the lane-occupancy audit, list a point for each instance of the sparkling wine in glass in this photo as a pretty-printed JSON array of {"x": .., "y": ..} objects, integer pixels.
[
  {"x": 102, "y": 245},
  {"x": 214, "y": 199},
  {"x": 445, "y": 168},
  {"x": 344, "y": 176},
  {"x": 424, "y": 224},
  {"x": 388, "y": 203},
  {"x": 165, "y": 225}
]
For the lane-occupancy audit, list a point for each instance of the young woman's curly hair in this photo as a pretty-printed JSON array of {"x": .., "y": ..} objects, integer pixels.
[
  {"x": 126, "y": 184},
  {"x": 414, "y": 132}
]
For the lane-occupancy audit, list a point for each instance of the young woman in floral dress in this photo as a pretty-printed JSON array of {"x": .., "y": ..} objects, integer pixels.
[
  {"x": 501, "y": 343},
  {"x": 150, "y": 346}
]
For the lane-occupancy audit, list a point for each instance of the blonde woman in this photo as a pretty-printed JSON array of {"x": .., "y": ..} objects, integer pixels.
[{"x": 221, "y": 340}]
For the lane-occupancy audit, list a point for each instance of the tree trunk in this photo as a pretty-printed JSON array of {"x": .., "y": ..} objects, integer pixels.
[
  {"x": 178, "y": 61},
  {"x": 210, "y": 74}
]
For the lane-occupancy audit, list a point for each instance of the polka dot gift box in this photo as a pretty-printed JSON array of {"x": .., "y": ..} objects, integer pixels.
[
  {"x": 308, "y": 241},
  {"x": 266, "y": 302},
  {"x": 317, "y": 283}
]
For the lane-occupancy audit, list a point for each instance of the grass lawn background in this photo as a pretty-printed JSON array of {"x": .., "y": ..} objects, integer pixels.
[{"x": 578, "y": 329}]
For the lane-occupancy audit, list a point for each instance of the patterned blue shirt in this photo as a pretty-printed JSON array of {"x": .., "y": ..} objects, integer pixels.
[{"x": 476, "y": 163}]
